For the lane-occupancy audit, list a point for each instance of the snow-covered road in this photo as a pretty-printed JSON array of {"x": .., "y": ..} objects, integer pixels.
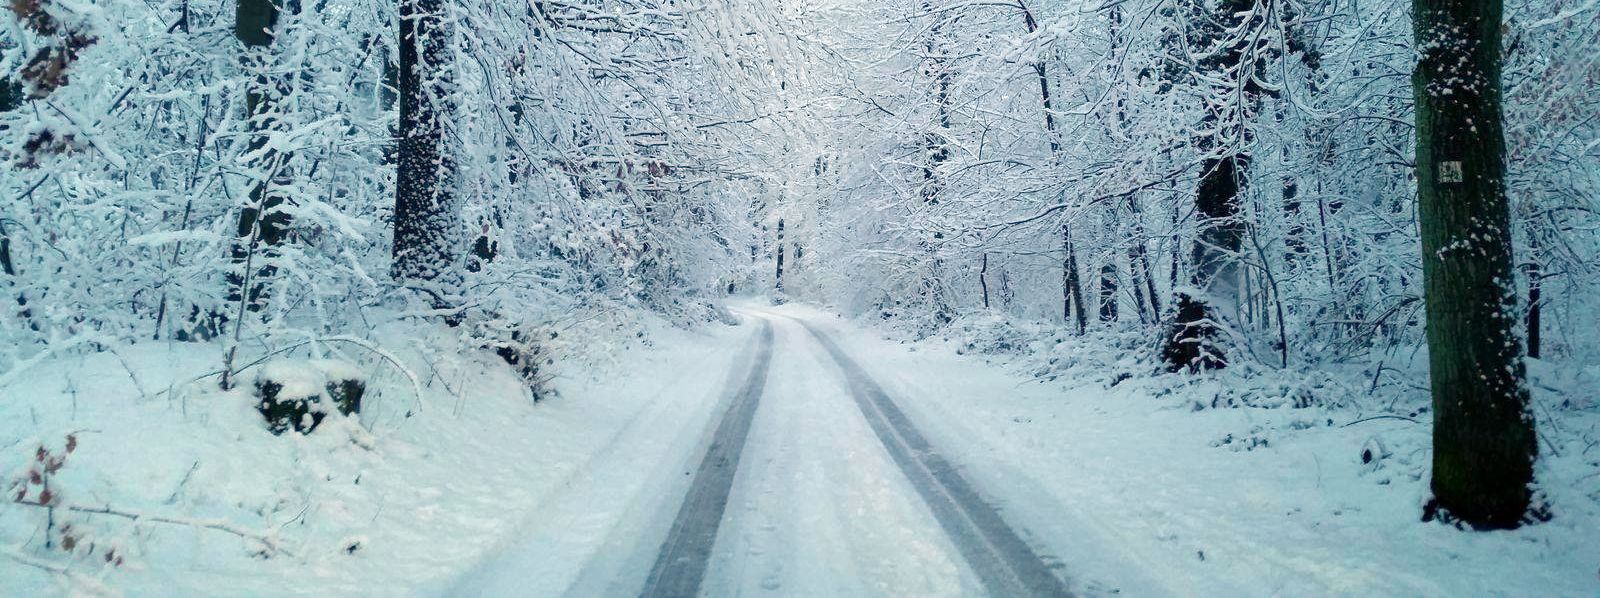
[
  {"x": 804, "y": 479},
  {"x": 855, "y": 465}
]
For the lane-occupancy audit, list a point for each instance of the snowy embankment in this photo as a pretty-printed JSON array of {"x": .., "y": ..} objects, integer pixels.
[
  {"x": 418, "y": 490},
  {"x": 1310, "y": 484}
]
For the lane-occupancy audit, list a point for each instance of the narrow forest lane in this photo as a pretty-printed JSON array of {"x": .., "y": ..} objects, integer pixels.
[
  {"x": 807, "y": 479},
  {"x": 820, "y": 507}
]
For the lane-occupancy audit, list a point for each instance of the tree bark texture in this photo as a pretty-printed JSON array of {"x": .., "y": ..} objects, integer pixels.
[
  {"x": 1483, "y": 432},
  {"x": 1192, "y": 341},
  {"x": 425, "y": 211}
]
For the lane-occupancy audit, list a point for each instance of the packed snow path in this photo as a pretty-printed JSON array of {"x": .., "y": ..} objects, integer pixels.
[
  {"x": 1005, "y": 563},
  {"x": 805, "y": 479},
  {"x": 682, "y": 563}
]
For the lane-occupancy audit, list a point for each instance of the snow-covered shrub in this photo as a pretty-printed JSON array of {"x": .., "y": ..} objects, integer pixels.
[{"x": 992, "y": 333}]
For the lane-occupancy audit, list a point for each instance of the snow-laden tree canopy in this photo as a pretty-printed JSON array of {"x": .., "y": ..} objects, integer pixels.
[
  {"x": 926, "y": 159},
  {"x": 604, "y": 152}
]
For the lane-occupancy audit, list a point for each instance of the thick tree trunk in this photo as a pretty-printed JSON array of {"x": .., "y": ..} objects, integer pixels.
[
  {"x": 1192, "y": 342},
  {"x": 1484, "y": 443},
  {"x": 263, "y": 221},
  {"x": 425, "y": 218}
]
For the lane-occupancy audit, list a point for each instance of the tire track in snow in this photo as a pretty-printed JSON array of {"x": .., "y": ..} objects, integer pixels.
[
  {"x": 591, "y": 509},
  {"x": 681, "y": 565},
  {"x": 1005, "y": 563}
]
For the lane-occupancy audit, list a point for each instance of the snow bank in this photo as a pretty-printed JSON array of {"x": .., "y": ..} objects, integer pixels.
[{"x": 404, "y": 498}]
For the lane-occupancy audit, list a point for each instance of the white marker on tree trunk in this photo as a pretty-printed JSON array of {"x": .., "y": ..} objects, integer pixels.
[{"x": 1450, "y": 172}]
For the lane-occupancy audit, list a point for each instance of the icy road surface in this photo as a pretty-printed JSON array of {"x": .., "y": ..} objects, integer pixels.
[{"x": 803, "y": 478}]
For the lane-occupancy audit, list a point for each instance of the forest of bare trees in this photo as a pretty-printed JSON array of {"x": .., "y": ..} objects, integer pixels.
[{"x": 1402, "y": 193}]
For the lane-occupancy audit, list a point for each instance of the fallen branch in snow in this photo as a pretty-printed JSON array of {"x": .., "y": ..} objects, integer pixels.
[
  {"x": 416, "y": 386},
  {"x": 33, "y": 562},
  {"x": 1367, "y": 419},
  {"x": 269, "y": 542}
]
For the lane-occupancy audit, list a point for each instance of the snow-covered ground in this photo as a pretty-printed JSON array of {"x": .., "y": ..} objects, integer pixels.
[
  {"x": 817, "y": 508},
  {"x": 394, "y": 506},
  {"x": 1134, "y": 486}
]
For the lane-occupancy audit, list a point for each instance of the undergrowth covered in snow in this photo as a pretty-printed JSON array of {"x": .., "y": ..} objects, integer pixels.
[
  {"x": 1381, "y": 409},
  {"x": 128, "y": 469},
  {"x": 1309, "y": 479}
]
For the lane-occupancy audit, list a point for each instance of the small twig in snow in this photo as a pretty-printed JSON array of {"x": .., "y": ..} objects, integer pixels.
[
  {"x": 84, "y": 582},
  {"x": 267, "y": 541},
  {"x": 181, "y": 483}
]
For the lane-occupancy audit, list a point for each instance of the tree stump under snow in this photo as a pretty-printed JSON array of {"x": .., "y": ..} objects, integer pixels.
[
  {"x": 522, "y": 347},
  {"x": 297, "y": 395}
]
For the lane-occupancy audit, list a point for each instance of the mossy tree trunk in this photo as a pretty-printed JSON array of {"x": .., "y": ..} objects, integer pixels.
[{"x": 1483, "y": 433}]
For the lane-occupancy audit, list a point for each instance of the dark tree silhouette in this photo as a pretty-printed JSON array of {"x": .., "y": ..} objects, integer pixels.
[
  {"x": 1219, "y": 33},
  {"x": 425, "y": 211}
]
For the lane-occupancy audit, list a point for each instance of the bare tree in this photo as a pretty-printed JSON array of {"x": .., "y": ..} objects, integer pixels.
[{"x": 1223, "y": 35}]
